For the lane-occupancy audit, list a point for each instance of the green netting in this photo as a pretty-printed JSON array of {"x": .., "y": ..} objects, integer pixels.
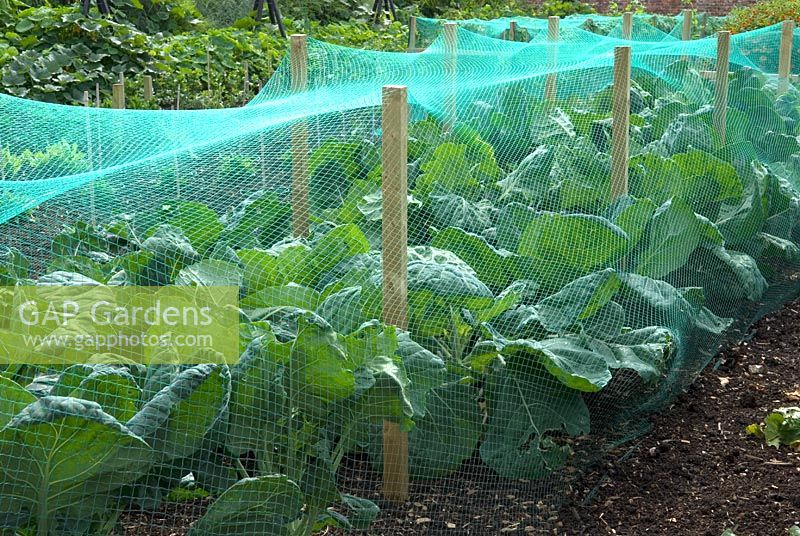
[
  {"x": 649, "y": 28},
  {"x": 548, "y": 314}
]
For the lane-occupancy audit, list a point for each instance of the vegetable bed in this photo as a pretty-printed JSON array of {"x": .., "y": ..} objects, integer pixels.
[{"x": 544, "y": 316}]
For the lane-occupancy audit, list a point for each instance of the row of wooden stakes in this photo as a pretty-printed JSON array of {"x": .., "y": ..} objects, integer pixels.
[
  {"x": 395, "y": 174},
  {"x": 395, "y": 177}
]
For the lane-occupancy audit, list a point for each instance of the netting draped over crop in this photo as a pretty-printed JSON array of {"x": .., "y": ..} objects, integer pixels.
[
  {"x": 643, "y": 28},
  {"x": 546, "y": 314}
]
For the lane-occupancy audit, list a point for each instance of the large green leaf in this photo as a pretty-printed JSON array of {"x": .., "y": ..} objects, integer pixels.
[
  {"x": 647, "y": 351},
  {"x": 652, "y": 302},
  {"x": 325, "y": 253},
  {"x": 532, "y": 176},
  {"x": 707, "y": 176},
  {"x": 512, "y": 221},
  {"x": 697, "y": 177},
  {"x": 565, "y": 246},
  {"x": 63, "y": 458},
  {"x": 257, "y": 396},
  {"x": 456, "y": 168},
  {"x": 775, "y": 251},
  {"x": 210, "y": 273},
  {"x": 350, "y": 307},
  {"x": 567, "y": 358},
  {"x": 632, "y": 216},
  {"x": 13, "y": 398},
  {"x": 674, "y": 233},
  {"x": 318, "y": 368},
  {"x": 578, "y": 300},
  {"x": 606, "y": 323},
  {"x": 382, "y": 384},
  {"x": 199, "y": 224},
  {"x": 442, "y": 440},
  {"x": 394, "y": 374},
  {"x": 584, "y": 177},
  {"x": 741, "y": 271},
  {"x": 177, "y": 418},
  {"x": 425, "y": 371},
  {"x": 332, "y": 169},
  {"x": 520, "y": 322},
  {"x": 778, "y": 147},
  {"x": 258, "y": 221},
  {"x": 170, "y": 251},
  {"x": 437, "y": 289},
  {"x": 739, "y": 222},
  {"x": 114, "y": 389},
  {"x": 262, "y": 505},
  {"x": 525, "y": 405},
  {"x": 685, "y": 132},
  {"x": 450, "y": 210},
  {"x": 261, "y": 269},
  {"x": 291, "y": 295},
  {"x": 490, "y": 264}
]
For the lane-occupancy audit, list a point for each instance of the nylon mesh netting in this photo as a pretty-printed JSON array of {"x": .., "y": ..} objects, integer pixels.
[{"x": 549, "y": 309}]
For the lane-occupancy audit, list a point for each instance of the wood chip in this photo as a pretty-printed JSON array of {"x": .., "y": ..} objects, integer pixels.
[{"x": 421, "y": 520}]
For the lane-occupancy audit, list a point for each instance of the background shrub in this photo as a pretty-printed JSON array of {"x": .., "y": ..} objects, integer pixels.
[{"x": 761, "y": 14}]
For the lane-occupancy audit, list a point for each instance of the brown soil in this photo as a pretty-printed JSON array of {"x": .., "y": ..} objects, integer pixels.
[
  {"x": 698, "y": 472},
  {"x": 695, "y": 474},
  {"x": 172, "y": 519}
]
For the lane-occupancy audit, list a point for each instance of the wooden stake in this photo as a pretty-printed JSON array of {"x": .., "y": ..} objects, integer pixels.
[
  {"x": 208, "y": 68},
  {"x": 118, "y": 96},
  {"x": 720, "y": 117},
  {"x": 553, "y": 24},
  {"x": 512, "y": 31},
  {"x": 450, "y": 37},
  {"x": 412, "y": 34},
  {"x": 298, "y": 56},
  {"x": 450, "y": 66},
  {"x": 785, "y": 57},
  {"x": 178, "y": 98},
  {"x": 246, "y": 80},
  {"x": 97, "y": 95},
  {"x": 686, "y": 32},
  {"x": 551, "y": 81},
  {"x": 627, "y": 26},
  {"x": 148, "y": 87},
  {"x": 621, "y": 108},
  {"x": 86, "y": 103},
  {"x": 395, "y": 267}
]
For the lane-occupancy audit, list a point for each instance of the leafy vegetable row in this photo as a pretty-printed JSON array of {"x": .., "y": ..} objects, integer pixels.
[{"x": 535, "y": 301}]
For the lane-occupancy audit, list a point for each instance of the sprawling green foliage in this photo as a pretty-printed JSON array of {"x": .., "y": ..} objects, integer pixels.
[
  {"x": 55, "y": 54},
  {"x": 465, "y": 9},
  {"x": 532, "y": 292},
  {"x": 514, "y": 332}
]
